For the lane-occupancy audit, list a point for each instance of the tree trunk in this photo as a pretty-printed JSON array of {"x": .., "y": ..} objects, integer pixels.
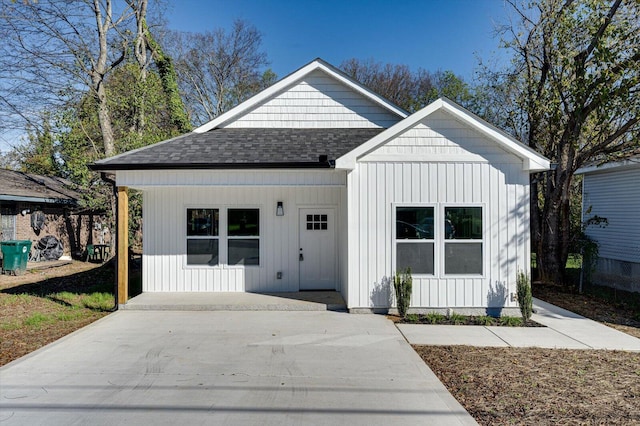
[
  {"x": 554, "y": 224},
  {"x": 104, "y": 118}
]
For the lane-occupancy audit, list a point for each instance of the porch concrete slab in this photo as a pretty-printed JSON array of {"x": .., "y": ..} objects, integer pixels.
[
  {"x": 238, "y": 301},
  {"x": 215, "y": 367},
  {"x": 444, "y": 335},
  {"x": 588, "y": 332}
]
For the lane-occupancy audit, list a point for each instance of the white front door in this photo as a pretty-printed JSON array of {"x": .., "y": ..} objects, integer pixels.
[{"x": 317, "y": 255}]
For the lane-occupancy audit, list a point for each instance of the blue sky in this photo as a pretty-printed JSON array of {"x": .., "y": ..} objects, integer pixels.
[{"x": 430, "y": 34}]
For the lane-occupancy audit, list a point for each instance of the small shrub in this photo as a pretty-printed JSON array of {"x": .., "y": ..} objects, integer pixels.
[
  {"x": 484, "y": 320},
  {"x": 434, "y": 318},
  {"x": 508, "y": 321},
  {"x": 413, "y": 318},
  {"x": 525, "y": 299},
  {"x": 402, "y": 284},
  {"x": 457, "y": 319}
]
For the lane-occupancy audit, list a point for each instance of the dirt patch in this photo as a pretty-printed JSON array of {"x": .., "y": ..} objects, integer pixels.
[
  {"x": 39, "y": 275},
  {"x": 532, "y": 386},
  {"x": 615, "y": 308}
]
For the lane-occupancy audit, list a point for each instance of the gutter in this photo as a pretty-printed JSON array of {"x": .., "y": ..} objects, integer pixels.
[
  {"x": 38, "y": 200},
  {"x": 104, "y": 167}
]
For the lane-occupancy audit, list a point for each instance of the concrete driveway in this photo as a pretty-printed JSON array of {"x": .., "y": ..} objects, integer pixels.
[{"x": 241, "y": 368}]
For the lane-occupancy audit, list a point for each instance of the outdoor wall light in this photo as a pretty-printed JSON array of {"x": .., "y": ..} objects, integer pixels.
[
  {"x": 279, "y": 209},
  {"x": 25, "y": 212}
]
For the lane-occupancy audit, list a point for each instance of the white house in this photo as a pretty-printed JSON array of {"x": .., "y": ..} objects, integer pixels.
[
  {"x": 612, "y": 191},
  {"x": 319, "y": 183}
]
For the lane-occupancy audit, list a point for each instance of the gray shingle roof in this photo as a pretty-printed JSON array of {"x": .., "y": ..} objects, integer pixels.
[
  {"x": 22, "y": 186},
  {"x": 243, "y": 148}
]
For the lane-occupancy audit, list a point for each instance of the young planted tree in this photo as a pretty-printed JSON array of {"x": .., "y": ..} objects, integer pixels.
[{"x": 573, "y": 95}]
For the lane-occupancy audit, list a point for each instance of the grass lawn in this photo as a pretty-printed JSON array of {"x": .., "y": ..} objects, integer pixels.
[{"x": 41, "y": 306}]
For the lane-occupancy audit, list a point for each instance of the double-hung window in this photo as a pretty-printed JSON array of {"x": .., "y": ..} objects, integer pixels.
[
  {"x": 415, "y": 239},
  {"x": 243, "y": 236},
  {"x": 463, "y": 240},
  {"x": 203, "y": 245},
  {"x": 223, "y": 236}
]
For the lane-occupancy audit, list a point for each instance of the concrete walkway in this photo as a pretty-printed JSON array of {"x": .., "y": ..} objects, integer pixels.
[
  {"x": 227, "y": 368},
  {"x": 564, "y": 329}
]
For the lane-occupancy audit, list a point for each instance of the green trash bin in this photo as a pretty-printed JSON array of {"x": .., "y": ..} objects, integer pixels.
[{"x": 15, "y": 254}]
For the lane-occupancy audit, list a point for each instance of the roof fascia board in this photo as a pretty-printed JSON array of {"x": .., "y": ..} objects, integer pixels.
[
  {"x": 289, "y": 81},
  {"x": 597, "y": 168},
  {"x": 532, "y": 161}
]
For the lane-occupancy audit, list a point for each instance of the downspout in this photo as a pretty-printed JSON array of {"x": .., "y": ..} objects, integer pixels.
[{"x": 105, "y": 177}]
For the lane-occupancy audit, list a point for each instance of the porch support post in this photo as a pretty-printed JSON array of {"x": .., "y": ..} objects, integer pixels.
[{"x": 123, "y": 245}]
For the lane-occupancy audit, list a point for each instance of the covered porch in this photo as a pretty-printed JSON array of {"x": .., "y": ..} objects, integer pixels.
[{"x": 238, "y": 301}]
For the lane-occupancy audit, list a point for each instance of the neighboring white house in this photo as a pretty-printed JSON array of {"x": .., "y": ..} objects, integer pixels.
[
  {"x": 612, "y": 191},
  {"x": 319, "y": 183}
]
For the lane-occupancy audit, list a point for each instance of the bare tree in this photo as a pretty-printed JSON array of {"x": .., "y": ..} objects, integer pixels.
[
  {"x": 218, "y": 69},
  {"x": 573, "y": 94},
  {"x": 407, "y": 89},
  {"x": 53, "y": 51}
]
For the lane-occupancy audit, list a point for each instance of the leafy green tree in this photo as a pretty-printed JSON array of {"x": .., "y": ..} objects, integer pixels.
[
  {"x": 39, "y": 155},
  {"x": 571, "y": 94}
]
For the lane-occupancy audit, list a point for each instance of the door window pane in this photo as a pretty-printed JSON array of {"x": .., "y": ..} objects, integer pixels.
[
  {"x": 244, "y": 251},
  {"x": 417, "y": 256},
  {"x": 202, "y": 252},
  {"x": 414, "y": 223},
  {"x": 202, "y": 222},
  {"x": 463, "y": 223},
  {"x": 463, "y": 258},
  {"x": 244, "y": 222}
]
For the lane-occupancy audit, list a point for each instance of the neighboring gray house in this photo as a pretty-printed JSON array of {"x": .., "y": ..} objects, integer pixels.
[
  {"x": 612, "y": 191},
  {"x": 318, "y": 183}
]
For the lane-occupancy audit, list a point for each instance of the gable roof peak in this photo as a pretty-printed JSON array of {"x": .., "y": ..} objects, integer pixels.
[
  {"x": 290, "y": 80},
  {"x": 532, "y": 160}
]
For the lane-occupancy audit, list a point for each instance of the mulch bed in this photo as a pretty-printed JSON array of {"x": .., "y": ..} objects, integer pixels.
[{"x": 532, "y": 386}]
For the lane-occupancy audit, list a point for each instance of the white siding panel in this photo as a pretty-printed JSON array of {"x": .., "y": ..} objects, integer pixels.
[
  {"x": 143, "y": 179},
  {"x": 614, "y": 195},
  {"x": 439, "y": 137},
  {"x": 500, "y": 188},
  {"x": 164, "y": 237},
  {"x": 317, "y": 101}
]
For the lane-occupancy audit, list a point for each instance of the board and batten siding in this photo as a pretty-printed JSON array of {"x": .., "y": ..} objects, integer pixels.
[
  {"x": 317, "y": 101},
  {"x": 615, "y": 195},
  {"x": 439, "y": 162},
  {"x": 168, "y": 194}
]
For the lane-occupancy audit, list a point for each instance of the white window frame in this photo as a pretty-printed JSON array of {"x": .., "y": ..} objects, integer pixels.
[
  {"x": 243, "y": 237},
  {"x": 444, "y": 241},
  {"x": 223, "y": 237},
  {"x": 202, "y": 237},
  {"x": 434, "y": 241}
]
